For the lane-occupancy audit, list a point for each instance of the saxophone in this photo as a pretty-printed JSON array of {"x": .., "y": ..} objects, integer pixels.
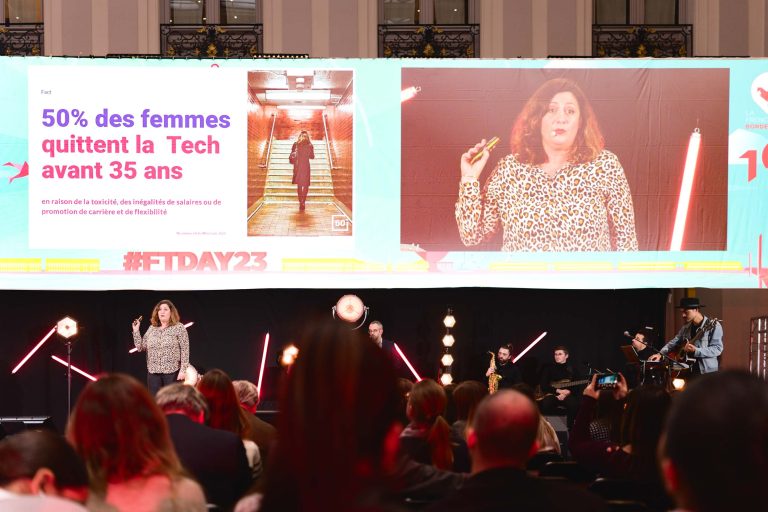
[{"x": 494, "y": 378}]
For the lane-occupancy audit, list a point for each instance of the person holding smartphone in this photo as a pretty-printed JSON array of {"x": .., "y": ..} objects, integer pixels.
[{"x": 634, "y": 457}]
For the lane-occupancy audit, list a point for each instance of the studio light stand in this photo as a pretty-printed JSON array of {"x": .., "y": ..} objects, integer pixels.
[{"x": 67, "y": 329}]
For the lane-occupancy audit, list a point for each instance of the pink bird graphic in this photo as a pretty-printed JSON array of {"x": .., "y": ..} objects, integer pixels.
[{"x": 22, "y": 168}]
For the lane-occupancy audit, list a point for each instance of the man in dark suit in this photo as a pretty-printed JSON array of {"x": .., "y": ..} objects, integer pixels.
[
  {"x": 216, "y": 458},
  {"x": 376, "y": 333},
  {"x": 501, "y": 440}
]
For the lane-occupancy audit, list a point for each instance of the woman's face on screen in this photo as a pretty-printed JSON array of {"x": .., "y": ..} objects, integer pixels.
[
  {"x": 560, "y": 124},
  {"x": 164, "y": 313}
]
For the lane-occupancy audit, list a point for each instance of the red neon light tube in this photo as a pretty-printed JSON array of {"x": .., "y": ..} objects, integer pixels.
[
  {"x": 78, "y": 370},
  {"x": 40, "y": 344},
  {"x": 683, "y": 202},
  {"x": 529, "y": 347},
  {"x": 407, "y": 362},
  {"x": 263, "y": 361}
]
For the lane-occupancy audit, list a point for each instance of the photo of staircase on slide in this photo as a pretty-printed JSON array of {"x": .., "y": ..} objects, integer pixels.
[{"x": 300, "y": 152}]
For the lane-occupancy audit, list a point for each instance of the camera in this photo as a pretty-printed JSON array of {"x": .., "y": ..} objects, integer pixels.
[{"x": 607, "y": 381}]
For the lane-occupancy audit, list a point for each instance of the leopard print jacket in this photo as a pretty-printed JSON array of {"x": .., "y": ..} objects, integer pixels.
[
  {"x": 584, "y": 207},
  {"x": 167, "y": 349}
]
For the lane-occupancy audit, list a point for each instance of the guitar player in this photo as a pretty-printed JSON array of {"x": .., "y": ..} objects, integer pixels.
[
  {"x": 707, "y": 345},
  {"x": 555, "y": 399}
]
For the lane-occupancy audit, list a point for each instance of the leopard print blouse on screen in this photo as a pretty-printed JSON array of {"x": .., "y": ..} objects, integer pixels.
[
  {"x": 167, "y": 348},
  {"x": 584, "y": 207}
]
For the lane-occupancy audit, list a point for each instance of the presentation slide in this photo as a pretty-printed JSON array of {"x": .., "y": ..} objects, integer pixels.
[{"x": 335, "y": 173}]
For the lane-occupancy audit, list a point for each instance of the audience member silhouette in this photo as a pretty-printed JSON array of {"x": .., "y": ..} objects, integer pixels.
[
  {"x": 715, "y": 448},
  {"x": 466, "y": 396},
  {"x": 122, "y": 436},
  {"x": 39, "y": 470},
  {"x": 501, "y": 439},
  {"x": 216, "y": 458},
  {"x": 635, "y": 456},
  {"x": 226, "y": 414},
  {"x": 261, "y": 432},
  {"x": 428, "y": 438},
  {"x": 338, "y": 430}
]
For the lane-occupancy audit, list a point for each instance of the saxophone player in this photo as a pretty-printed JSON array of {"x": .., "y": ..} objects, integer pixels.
[{"x": 505, "y": 368}]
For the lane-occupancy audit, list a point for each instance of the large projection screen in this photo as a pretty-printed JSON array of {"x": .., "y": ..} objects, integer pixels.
[{"x": 166, "y": 174}]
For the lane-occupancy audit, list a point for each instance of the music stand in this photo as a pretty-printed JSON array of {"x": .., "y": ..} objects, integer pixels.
[{"x": 630, "y": 354}]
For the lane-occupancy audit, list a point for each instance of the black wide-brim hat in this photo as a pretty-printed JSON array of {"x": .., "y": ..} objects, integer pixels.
[{"x": 690, "y": 303}]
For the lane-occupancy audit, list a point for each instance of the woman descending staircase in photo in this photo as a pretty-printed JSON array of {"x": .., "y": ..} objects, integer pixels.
[{"x": 301, "y": 152}]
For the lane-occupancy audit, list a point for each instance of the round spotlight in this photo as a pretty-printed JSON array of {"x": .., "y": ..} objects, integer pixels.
[
  {"x": 290, "y": 353},
  {"x": 678, "y": 384},
  {"x": 66, "y": 327}
]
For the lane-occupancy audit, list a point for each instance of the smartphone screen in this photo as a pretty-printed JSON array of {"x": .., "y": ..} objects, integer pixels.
[{"x": 607, "y": 381}]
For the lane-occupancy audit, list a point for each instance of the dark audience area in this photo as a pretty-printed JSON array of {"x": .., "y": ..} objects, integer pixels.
[{"x": 351, "y": 436}]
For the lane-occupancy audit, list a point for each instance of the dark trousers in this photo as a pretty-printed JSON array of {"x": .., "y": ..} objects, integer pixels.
[
  {"x": 155, "y": 381},
  {"x": 551, "y": 406}
]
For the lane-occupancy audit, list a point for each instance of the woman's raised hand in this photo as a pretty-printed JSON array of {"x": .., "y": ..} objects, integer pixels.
[
  {"x": 136, "y": 323},
  {"x": 471, "y": 171}
]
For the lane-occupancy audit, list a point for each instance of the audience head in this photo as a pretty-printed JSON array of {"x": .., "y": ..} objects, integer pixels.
[
  {"x": 40, "y": 461},
  {"x": 642, "y": 424},
  {"x": 178, "y": 398},
  {"x": 503, "y": 432},
  {"x": 337, "y": 430},
  {"x": 466, "y": 396},
  {"x": 426, "y": 407},
  {"x": 223, "y": 404},
  {"x": 404, "y": 387},
  {"x": 120, "y": 432},
  {"x": 248, "y": 394},
  {"x": 715, "y": 448},
  {"x": 426, "y": 401},
  {"x": 546, "y": 437}
]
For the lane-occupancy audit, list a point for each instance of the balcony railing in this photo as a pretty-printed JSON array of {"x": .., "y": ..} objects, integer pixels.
[
  {"x": 212, "y": 41},
  {"x": 642, "y": 40},
  {"x": 21, "y": 39},
  {"x": 430, "y": 41}
]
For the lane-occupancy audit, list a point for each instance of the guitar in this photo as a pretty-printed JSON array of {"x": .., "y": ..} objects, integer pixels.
[
  {"x": 679, "y": 354},
  {"x": 561, "y": 384},
  {"x": 565, "y": 383}
]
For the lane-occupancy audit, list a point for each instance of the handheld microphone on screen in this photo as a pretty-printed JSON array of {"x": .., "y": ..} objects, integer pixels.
[
  {"x": 488, "y": 147},
  {"x": 139, "y": 319}
]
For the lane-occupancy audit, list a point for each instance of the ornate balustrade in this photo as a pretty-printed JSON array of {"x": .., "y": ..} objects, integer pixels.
[
  {"x": 440, "y": 41},
  {"x": 214, "y": 41},
  {"x": 21, "y": 39},
  {"x": 642, "y": 40}
]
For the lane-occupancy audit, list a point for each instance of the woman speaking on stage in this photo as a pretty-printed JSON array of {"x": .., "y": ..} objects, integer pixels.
[
  {"x": 558, "y": 190},
  {"x": 167, "y": 345}
]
